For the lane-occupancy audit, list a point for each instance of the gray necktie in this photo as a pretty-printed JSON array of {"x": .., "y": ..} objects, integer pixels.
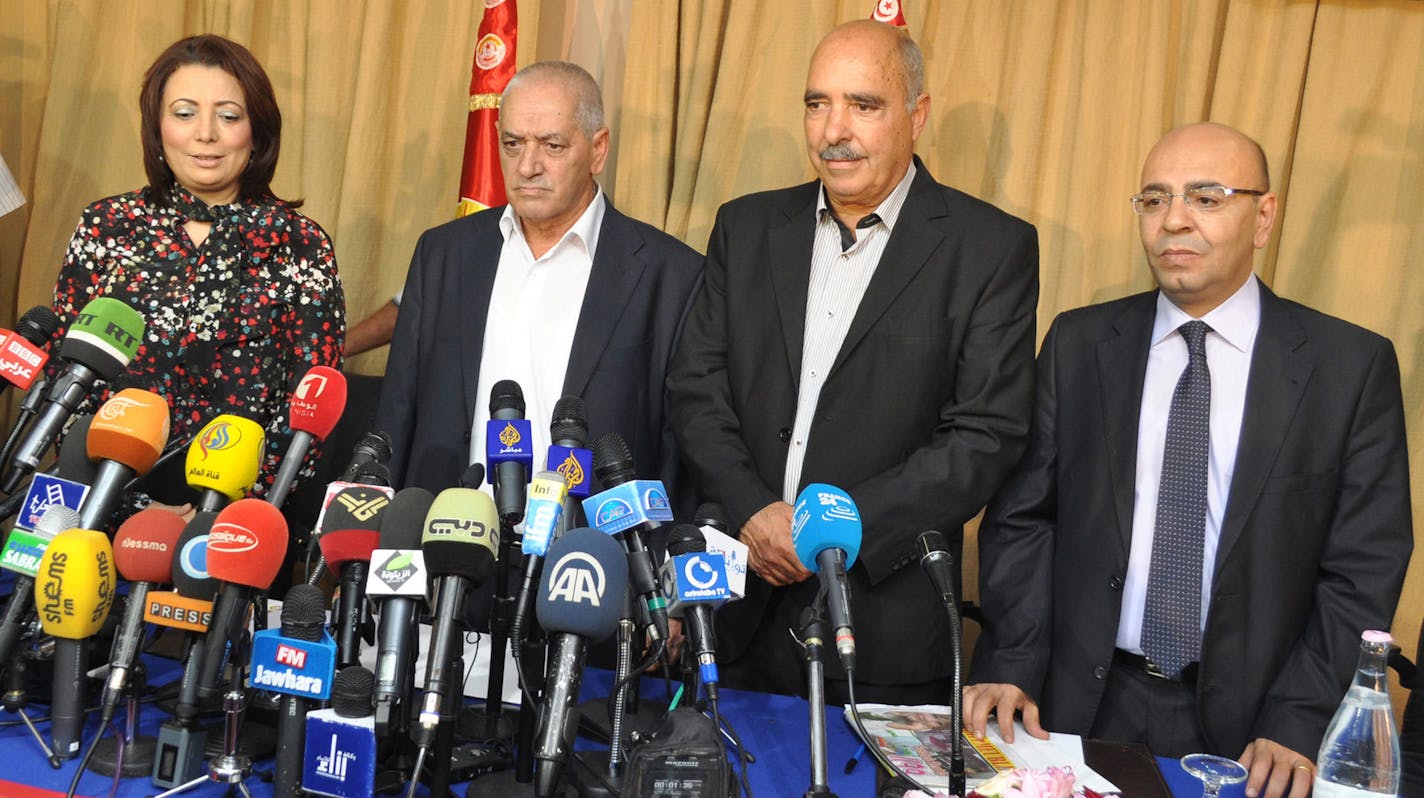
[{"x": 1171, "y": 622}]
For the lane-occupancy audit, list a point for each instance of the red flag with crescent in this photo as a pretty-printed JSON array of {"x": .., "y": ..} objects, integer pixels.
[
  {"x": 481, "y": 184},
  {"x": 889, "y": 12}
]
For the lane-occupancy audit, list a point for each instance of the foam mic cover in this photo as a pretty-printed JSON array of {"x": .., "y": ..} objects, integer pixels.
[
  {"x": 824, "y": 518},
  {"x": 351, "y": 527},
  {"x": 569, "y": 424},
  {"x": 581, "y": 590},
  {"x": 247, "y": 544},
  {"x": 373, "y": 447},
  {"x": 612, "y": 461},
  {"x": 190, "y": 562},
  {"x": 75, "y": 586},
  {"x": 226, "y": 455},
  {"x": 131, "y": 428},
  {"x": 145, "y": 544},
  {"x": 461, "y": 534},
  {"x": 318, "y": 402},
  {"x": 22, "y": 352},
  {"x": 104, "y": 337},
  {"x": 404, "y": 519}
]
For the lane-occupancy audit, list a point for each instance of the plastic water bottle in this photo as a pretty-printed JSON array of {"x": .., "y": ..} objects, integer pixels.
[{"x": 1359, "y": 757}]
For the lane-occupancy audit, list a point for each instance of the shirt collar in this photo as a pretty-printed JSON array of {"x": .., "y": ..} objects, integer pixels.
[
  {"x": 889, "y": 208},
  {"x": 583, "y": 234},
  {"x": 1235, "y": 321}
]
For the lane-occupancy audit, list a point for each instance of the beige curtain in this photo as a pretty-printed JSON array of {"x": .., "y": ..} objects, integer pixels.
[{"x": 1044, "y": 107}]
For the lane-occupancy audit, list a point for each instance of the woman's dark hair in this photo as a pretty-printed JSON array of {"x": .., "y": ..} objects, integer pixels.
[{"x": 262, "y": 111}]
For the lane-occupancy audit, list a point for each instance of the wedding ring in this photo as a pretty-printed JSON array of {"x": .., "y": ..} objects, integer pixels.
[{"x": 1304, "y": 767}]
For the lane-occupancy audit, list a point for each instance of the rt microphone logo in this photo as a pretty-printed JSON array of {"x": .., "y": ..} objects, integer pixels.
[{"x": 577, "y": 577}]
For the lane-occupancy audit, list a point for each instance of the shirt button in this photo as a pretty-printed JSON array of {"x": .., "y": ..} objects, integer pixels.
[
  {"x": 784, "y": 434},
  {"x": 1100, "y": 672},
  {"x": 1115, "y": 583},
  {"x": 467, "y": 436}
]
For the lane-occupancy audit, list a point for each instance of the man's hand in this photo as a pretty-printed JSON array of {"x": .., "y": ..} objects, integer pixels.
[
  {"x": 184, "y": 511},
  {"x": 770, "y": 553},
  {"x": 1279, "y": 770},
  {"x": 1003, "y": 700}
]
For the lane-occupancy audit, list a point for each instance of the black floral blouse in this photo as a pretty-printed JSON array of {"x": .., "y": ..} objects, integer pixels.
[{"x": 231, "y": 325}]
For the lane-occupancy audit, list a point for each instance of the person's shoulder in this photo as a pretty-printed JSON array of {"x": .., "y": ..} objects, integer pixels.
[
  {"x": 130, "y": 203},
  {"x": 670, "y": 251},
  {"x": 1092, "y": 322},
  {"x": 1331, "y": 333},
  {"x": 760, "y": 204},
  {"x": 464, "y": 227},
  {"x": 972, "y": 211}
]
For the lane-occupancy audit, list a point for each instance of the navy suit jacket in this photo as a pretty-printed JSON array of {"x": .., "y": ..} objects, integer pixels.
[
  {"x": 924, "y": 412},
  {"x": 640, "y": 287},
  {"x": 1314, "y": 541}
]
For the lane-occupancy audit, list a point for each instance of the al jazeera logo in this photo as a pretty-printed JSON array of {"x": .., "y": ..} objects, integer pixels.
[
  {"x": 570, "y": 470},
  {"x": 363, "y": 506},
  {"x": 510, "y": 438},
  {"x": 219, "y": 437}
]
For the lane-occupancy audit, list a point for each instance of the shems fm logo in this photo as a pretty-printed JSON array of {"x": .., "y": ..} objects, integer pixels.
[{"x": 219, "y": 437}]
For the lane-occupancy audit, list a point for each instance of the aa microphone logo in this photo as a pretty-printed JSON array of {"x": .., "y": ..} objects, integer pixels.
[
  {"x": 312, "y": 387},
  {"x": 577, "y": 577},
  {"x": 362, "y": 506},
  {"x": 219, "y": 437}
]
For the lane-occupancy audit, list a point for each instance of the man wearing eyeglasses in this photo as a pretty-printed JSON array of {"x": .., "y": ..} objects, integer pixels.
[{"x": 1214, "y": 503}]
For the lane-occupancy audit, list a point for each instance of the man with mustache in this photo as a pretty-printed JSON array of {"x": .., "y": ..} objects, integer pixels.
[
  {"x": 873, "y": 330},
  {"x": 1214, "y": 503},
  {"x": 557, "y": 291}
]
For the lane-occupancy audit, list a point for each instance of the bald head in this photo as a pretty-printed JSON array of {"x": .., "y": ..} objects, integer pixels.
[
  {"x": 904, "y": 62},
  {"x": 1225, "y": 142}
]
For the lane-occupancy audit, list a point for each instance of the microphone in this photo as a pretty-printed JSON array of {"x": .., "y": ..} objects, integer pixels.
[
  {"x": 316, "y": 406},
  {"x": 373, "y": 447},
  {"x": 350, "y": 532},
  {"x": 246, "y": 548},
  {"x": 73, "y": 593},
  {"x": 543, "y": 518},
  {"x": 460, "y": 542},
  {"x": 398, "y": 575},
  {"x": 509, "y": 450},
  {"x": 22, "y": 352},
  {"x": 126, "y": 438},
  {"x": 297, "y": 661},
  {"x": 939, "y": 566},
  {"x": 143, "y": 554},
  {"x": 629, "y": 507},
  {"x": 825, "y": 529},
  {"x": 99, "y": 345},
  {"x": 341, "y": 741},
  {"x": 24, "y": 551},
  {"x": 712, "y": 520},
  {"x": 224, "y": 459},
  {"x": 695, "y": 580},
  {"x": 569, "y": 432},
  {"x": 580, "y": 600}
]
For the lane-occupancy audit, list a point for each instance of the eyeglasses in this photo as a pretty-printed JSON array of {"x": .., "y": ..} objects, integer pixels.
[{"x": 1202, "y": 199}]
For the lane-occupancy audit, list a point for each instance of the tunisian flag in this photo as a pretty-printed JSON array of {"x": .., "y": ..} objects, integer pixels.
[
  {"x": 481, "y": 184},
  {"x": 889, "y": 12}
]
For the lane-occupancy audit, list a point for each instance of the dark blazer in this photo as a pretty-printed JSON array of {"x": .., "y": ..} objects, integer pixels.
[
  {"x": 640, "y": 287},
  {"x": 1314, "y": 541},
  {"x": 922, "y": 415}
]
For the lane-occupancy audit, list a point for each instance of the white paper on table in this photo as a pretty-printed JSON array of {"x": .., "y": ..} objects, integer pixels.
[{"x": 1058, "y": 750}]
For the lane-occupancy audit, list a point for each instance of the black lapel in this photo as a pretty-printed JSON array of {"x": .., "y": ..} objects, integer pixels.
[
  {"x": 617, "y": 268},
  {"x": 479, "y": 260},
  {"x": 790, "y": 241},
  {"x": 1281, "y": 367},
  {"x": 1122, "y": 367}
]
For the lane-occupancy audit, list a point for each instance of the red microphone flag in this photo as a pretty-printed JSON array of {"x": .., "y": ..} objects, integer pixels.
[
  {"x": 481, "y": 183},
  {"x": 889, "y": 12}
]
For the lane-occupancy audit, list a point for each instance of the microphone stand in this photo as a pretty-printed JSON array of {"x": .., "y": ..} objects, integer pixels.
[
  {"x": 491, "y": 722},
  {"x": 17, "y": 697},
  {"x": 811, "y": 640},
  {"x": 956, "y": 747},
  {"x": 503, "y": 780},
  {"x": 138, "y": 749}
]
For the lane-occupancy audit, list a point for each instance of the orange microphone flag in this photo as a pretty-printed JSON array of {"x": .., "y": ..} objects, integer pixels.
[
  {"x": 889, "y": 12},
  {"x": 481, "y": 184}
]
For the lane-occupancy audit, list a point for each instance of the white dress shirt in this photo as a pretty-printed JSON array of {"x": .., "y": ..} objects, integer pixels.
[
  {"x": 533, "y": 312},
  {"x": 1229, "y": 345},
  {"x": 837, "y": 284}
]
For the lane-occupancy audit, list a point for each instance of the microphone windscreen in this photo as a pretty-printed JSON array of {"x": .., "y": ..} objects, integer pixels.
[
  {"x": 226, "y": 455},
  {"x": 461, "y": 535},
  {"x": 711, "y": 514},
  {"x": 824, "y": 518},
  {"x": 38, "y": 325},
  {"x": 341, "y": 546},
  {"x": 145, "y": 544},
  {"x": 303, "y": 612},
  {"x": 74, "y": 462},
  {"x": 131, "y": 428},
  {"x": 507, "y": 395},
  {"x": 930, "y": 542},
  {"x": 75, "y": 584},
  {"x": 190, "y": 564},
  {"x": 474, "y": 475},
  {"x": 372, "y": 473},
  {"x": 685, "y": 539},
  {"x": 581, "y": 589},
  {"x": 351, "y": 692},
  {"x": 318, "y": 402},
  {"x": 404, "y": 519},
  {"x": 374, "y": 446},
  {"x": 104, "y": 336},
  {"x": 355, "y": 507},
  {"x": 56, "y": 519},
  {"x": 248, "y": 544},
  {"x": 612, "y": 461},
  {"x": 570, "y": 421}
]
